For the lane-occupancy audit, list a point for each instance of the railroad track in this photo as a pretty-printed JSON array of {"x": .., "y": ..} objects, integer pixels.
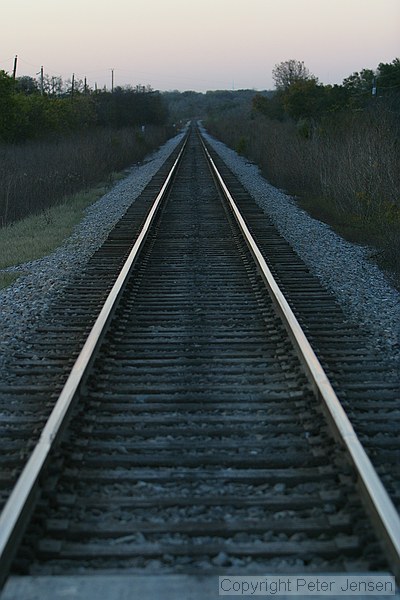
[{"x": 202, "y": 434}]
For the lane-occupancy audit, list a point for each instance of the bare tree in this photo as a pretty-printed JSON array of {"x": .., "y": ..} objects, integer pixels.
[
  {"x": 53, "y": 86},
  {"x": 288, "y": 72}
]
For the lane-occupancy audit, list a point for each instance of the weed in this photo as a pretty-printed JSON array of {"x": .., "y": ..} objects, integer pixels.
[
  {"x": 241, "y": 145},
  {"x": 7, "y": 279}
]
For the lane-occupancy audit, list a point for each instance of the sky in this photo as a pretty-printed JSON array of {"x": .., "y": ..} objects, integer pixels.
[{"x": 197, "y": 45}]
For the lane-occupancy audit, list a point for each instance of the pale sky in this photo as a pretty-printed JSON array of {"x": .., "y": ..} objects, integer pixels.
[{"x": 197, "y": 45}]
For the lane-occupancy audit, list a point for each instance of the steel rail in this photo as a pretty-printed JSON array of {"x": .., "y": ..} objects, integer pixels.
[
  {"x": 376, "y": 499},
  {"x": 16, "y": 512}
]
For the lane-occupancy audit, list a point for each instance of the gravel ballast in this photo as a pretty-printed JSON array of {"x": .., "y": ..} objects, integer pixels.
[
  {"x": 361, "y": 288},
  {"x": 363, "y": 291},
  {"x": 24, "y": 304}
]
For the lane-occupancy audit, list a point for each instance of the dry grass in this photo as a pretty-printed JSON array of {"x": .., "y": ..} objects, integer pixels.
[
  {"x": 37, "y": 175},
  {"x": 45, "y": 187},
  {"x": 344, "y": 171}
]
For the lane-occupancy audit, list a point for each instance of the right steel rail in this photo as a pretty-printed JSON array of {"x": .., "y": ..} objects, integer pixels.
[{"x": 376, "y": 499}]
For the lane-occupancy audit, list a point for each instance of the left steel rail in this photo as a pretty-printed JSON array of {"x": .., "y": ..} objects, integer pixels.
[{"x": 22, "y": 500}]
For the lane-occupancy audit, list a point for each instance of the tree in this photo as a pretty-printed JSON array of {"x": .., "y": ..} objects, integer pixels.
[
  {"x": 389, "y": 75},
  {"x": 290, "y": 71},
  {"x": 27, "y": 85},
  {"x": 271, "y": 107},
  {"x": 304, "y": 99},
  {"x": 130, "y": 106},
  {"x": 359, "y": 83},
  {"x": 9, "y": 117},
  {"x": 53, "y": 85}
]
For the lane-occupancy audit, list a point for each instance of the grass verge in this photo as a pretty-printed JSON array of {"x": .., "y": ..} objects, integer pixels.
[{"x": 39, "y": 235}]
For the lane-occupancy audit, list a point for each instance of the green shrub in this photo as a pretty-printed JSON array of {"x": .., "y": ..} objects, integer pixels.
[{"x": 241, "y": 145}]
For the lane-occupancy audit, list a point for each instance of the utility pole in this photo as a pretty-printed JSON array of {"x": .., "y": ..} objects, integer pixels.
[
  {"x": 72, "y": 86},
  {"x": 41, "y": 81},
  {"x": 112, "y": 81},
  {"x": 15, "y": 67},
  {"x": 85, "y": 88}
]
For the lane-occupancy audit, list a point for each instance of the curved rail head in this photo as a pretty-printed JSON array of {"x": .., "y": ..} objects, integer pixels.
[
  {"x": 376, "y": 499},
  {"x": 15, "y": 515}
]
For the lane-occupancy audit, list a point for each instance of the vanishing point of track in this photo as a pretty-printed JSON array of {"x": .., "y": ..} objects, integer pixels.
[{"x": 202, "y": 434}]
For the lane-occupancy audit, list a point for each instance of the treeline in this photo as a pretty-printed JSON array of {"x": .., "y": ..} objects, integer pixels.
[
  {"x": 191, "y": 105},
  {"x": 335, "y": 148},
  {"x": 30, "y": 110},
  {"x": 299, "y": 95},
  {"x": 58, "y": 139}
]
